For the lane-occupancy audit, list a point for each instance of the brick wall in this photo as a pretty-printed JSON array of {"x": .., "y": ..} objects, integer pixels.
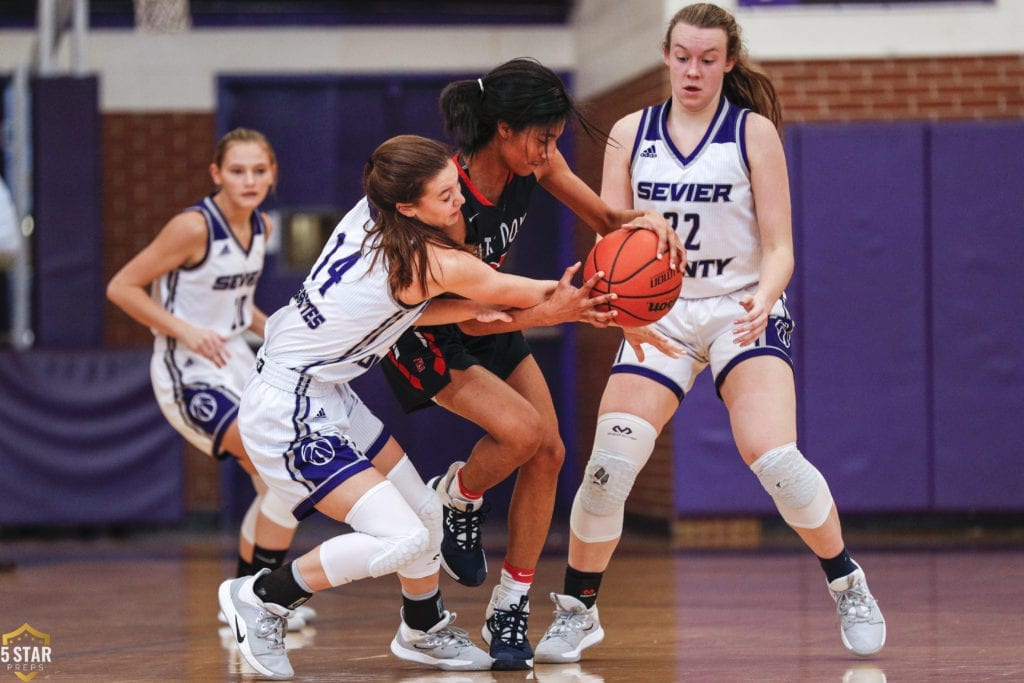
[
  {"x": 154, "y": 165},
  {"x": 893, "y": 89},
  {"x": 855, "y": 90}
]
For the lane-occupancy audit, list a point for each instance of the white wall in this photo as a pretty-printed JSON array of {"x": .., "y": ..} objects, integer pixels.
[
  {"x": 610, "y": 41},
  {"x": 145, "y": 72}
]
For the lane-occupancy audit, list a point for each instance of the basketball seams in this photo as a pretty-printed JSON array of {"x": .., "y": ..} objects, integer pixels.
[{"x": 637, "y": 302}]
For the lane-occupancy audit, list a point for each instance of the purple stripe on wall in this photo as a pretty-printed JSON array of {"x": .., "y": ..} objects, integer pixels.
[{"x": 977, "y": 206}]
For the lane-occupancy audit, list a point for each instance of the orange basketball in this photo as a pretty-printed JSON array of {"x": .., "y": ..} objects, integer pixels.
[{"x": 646, "y": 287}]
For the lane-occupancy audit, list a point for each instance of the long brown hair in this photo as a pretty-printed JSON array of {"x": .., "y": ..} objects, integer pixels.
[
  {"x": 745, "y": 85},
  {"x": 397, "y": 173}
]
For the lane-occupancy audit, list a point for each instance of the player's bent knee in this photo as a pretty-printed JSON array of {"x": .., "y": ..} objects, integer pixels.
[
  {"x": 383, "y": 513},
  {"x": 622, "y": 446},
  {"x": 800, "y": 493},
  {"x": 399, "y": 552},
  {"x": 274, "y": 508}
]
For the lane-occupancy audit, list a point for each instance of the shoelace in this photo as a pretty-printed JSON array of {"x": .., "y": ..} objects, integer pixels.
[
  {"x": 270, "y": 627},
  {"x": 566, "y": 622},
  {"x": 465, "y": 526},
  {"x": 449, "y": 635},
  {"x": 511, "y": 623},
  {"x": 853, "y": 604}
]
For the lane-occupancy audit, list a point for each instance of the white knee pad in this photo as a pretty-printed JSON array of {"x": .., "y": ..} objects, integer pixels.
[
  {"x": 396, "y": 535},
  {"x": 427, "y": 506},
  {"x": 277, "y": 511},
  {"x": 800, "y": 492},
  {"x": 248, "y": 531},
  {"x": 622, "y": 445}
]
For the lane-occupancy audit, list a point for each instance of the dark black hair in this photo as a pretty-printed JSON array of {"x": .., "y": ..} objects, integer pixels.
[{"x": 521, "y": 92}]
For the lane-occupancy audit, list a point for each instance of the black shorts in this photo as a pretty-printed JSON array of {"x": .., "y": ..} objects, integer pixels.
[{"x": 419, "y": 364}]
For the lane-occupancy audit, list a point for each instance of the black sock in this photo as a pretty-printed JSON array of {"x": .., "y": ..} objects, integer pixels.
[
  {"x": 281, "y": 587},
  {"x": 244, "y": 568},
  {"x": 422, "y": 615},
  {"x": 582, "y": 585},
  {"x": 271, "y": 559},
  {"x": 838, "y": 566}
]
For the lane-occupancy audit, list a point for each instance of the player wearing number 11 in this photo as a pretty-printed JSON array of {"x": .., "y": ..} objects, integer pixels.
[{"x": 203, "y": 267}]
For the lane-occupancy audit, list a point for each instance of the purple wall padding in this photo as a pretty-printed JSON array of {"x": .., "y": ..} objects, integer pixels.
[
  {"x": 859, "y": 301},
  {"x": 68, "y": 298},
  {"x": 977, "y": 334},
  {"x": 710, "y": 477},
  {"x": 863, "y": 394},
  {"x": 83, "y": 442}
]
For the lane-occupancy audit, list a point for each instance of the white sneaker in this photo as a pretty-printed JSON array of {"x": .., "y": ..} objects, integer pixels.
[
  {"x": 442, "y": 646},
  {"x": 259, "y": 626},
  {"x": 861, "y": 623},
  {"x": 574, "y": 630}
]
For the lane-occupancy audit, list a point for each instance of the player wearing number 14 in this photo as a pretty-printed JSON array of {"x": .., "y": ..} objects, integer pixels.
[{"x": 319, "y": 447}]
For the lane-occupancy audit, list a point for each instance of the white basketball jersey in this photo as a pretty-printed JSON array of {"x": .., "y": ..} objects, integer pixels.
[
  {"x": 706, "y": 197},
  {"x": 344, "y": 317},
  {"x": 217, "y": 293}
]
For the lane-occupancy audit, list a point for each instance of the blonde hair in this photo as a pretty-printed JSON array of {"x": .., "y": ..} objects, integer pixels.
[{"x": 242, "y": 135}]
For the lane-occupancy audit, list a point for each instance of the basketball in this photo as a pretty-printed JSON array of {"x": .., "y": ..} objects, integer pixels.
[{"x": 647, "y": 288}]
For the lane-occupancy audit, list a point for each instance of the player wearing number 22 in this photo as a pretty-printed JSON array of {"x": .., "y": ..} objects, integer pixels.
[{"x": 711, "y": 160}]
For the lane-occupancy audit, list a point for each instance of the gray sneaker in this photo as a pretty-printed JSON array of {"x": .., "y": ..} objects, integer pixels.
[
  {"x": 296, "y": 622},
  {"x": 442, "y": 646},
  {"x": 258, "y": 626},
  {"x": 574, "y": 630},
  {"x": 861, "y": 623}
]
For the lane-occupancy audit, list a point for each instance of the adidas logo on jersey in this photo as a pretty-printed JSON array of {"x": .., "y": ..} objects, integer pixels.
[
  {"x": 320, "y": 415},
  {"x": 226, "y": 251},
  {"x": 649, "y": 153}
]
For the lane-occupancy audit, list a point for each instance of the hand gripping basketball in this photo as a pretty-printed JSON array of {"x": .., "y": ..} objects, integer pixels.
[{"x": 646, "y": 287}]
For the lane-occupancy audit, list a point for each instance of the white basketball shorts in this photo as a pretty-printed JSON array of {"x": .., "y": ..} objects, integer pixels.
[{"x": 703, "y": 327}]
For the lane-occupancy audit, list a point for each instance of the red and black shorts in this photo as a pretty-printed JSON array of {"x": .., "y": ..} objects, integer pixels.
[{"x": 419, "y": 364}]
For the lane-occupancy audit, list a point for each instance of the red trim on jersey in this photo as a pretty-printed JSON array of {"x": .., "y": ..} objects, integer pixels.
[{"x": 464, "y": 175}]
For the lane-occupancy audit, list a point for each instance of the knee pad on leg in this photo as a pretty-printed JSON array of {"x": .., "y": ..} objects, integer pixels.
[
  {"x": 427, "y": 506},
  {"x": 622, "y": 445},
  {"x": 382, "y": 513},
  {"x": 278, "y": 511},
  {"x": 800, "y": 493}
]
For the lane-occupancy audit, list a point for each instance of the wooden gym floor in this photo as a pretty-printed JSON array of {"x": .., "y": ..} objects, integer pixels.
[{"x": 142, "y": 607}]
